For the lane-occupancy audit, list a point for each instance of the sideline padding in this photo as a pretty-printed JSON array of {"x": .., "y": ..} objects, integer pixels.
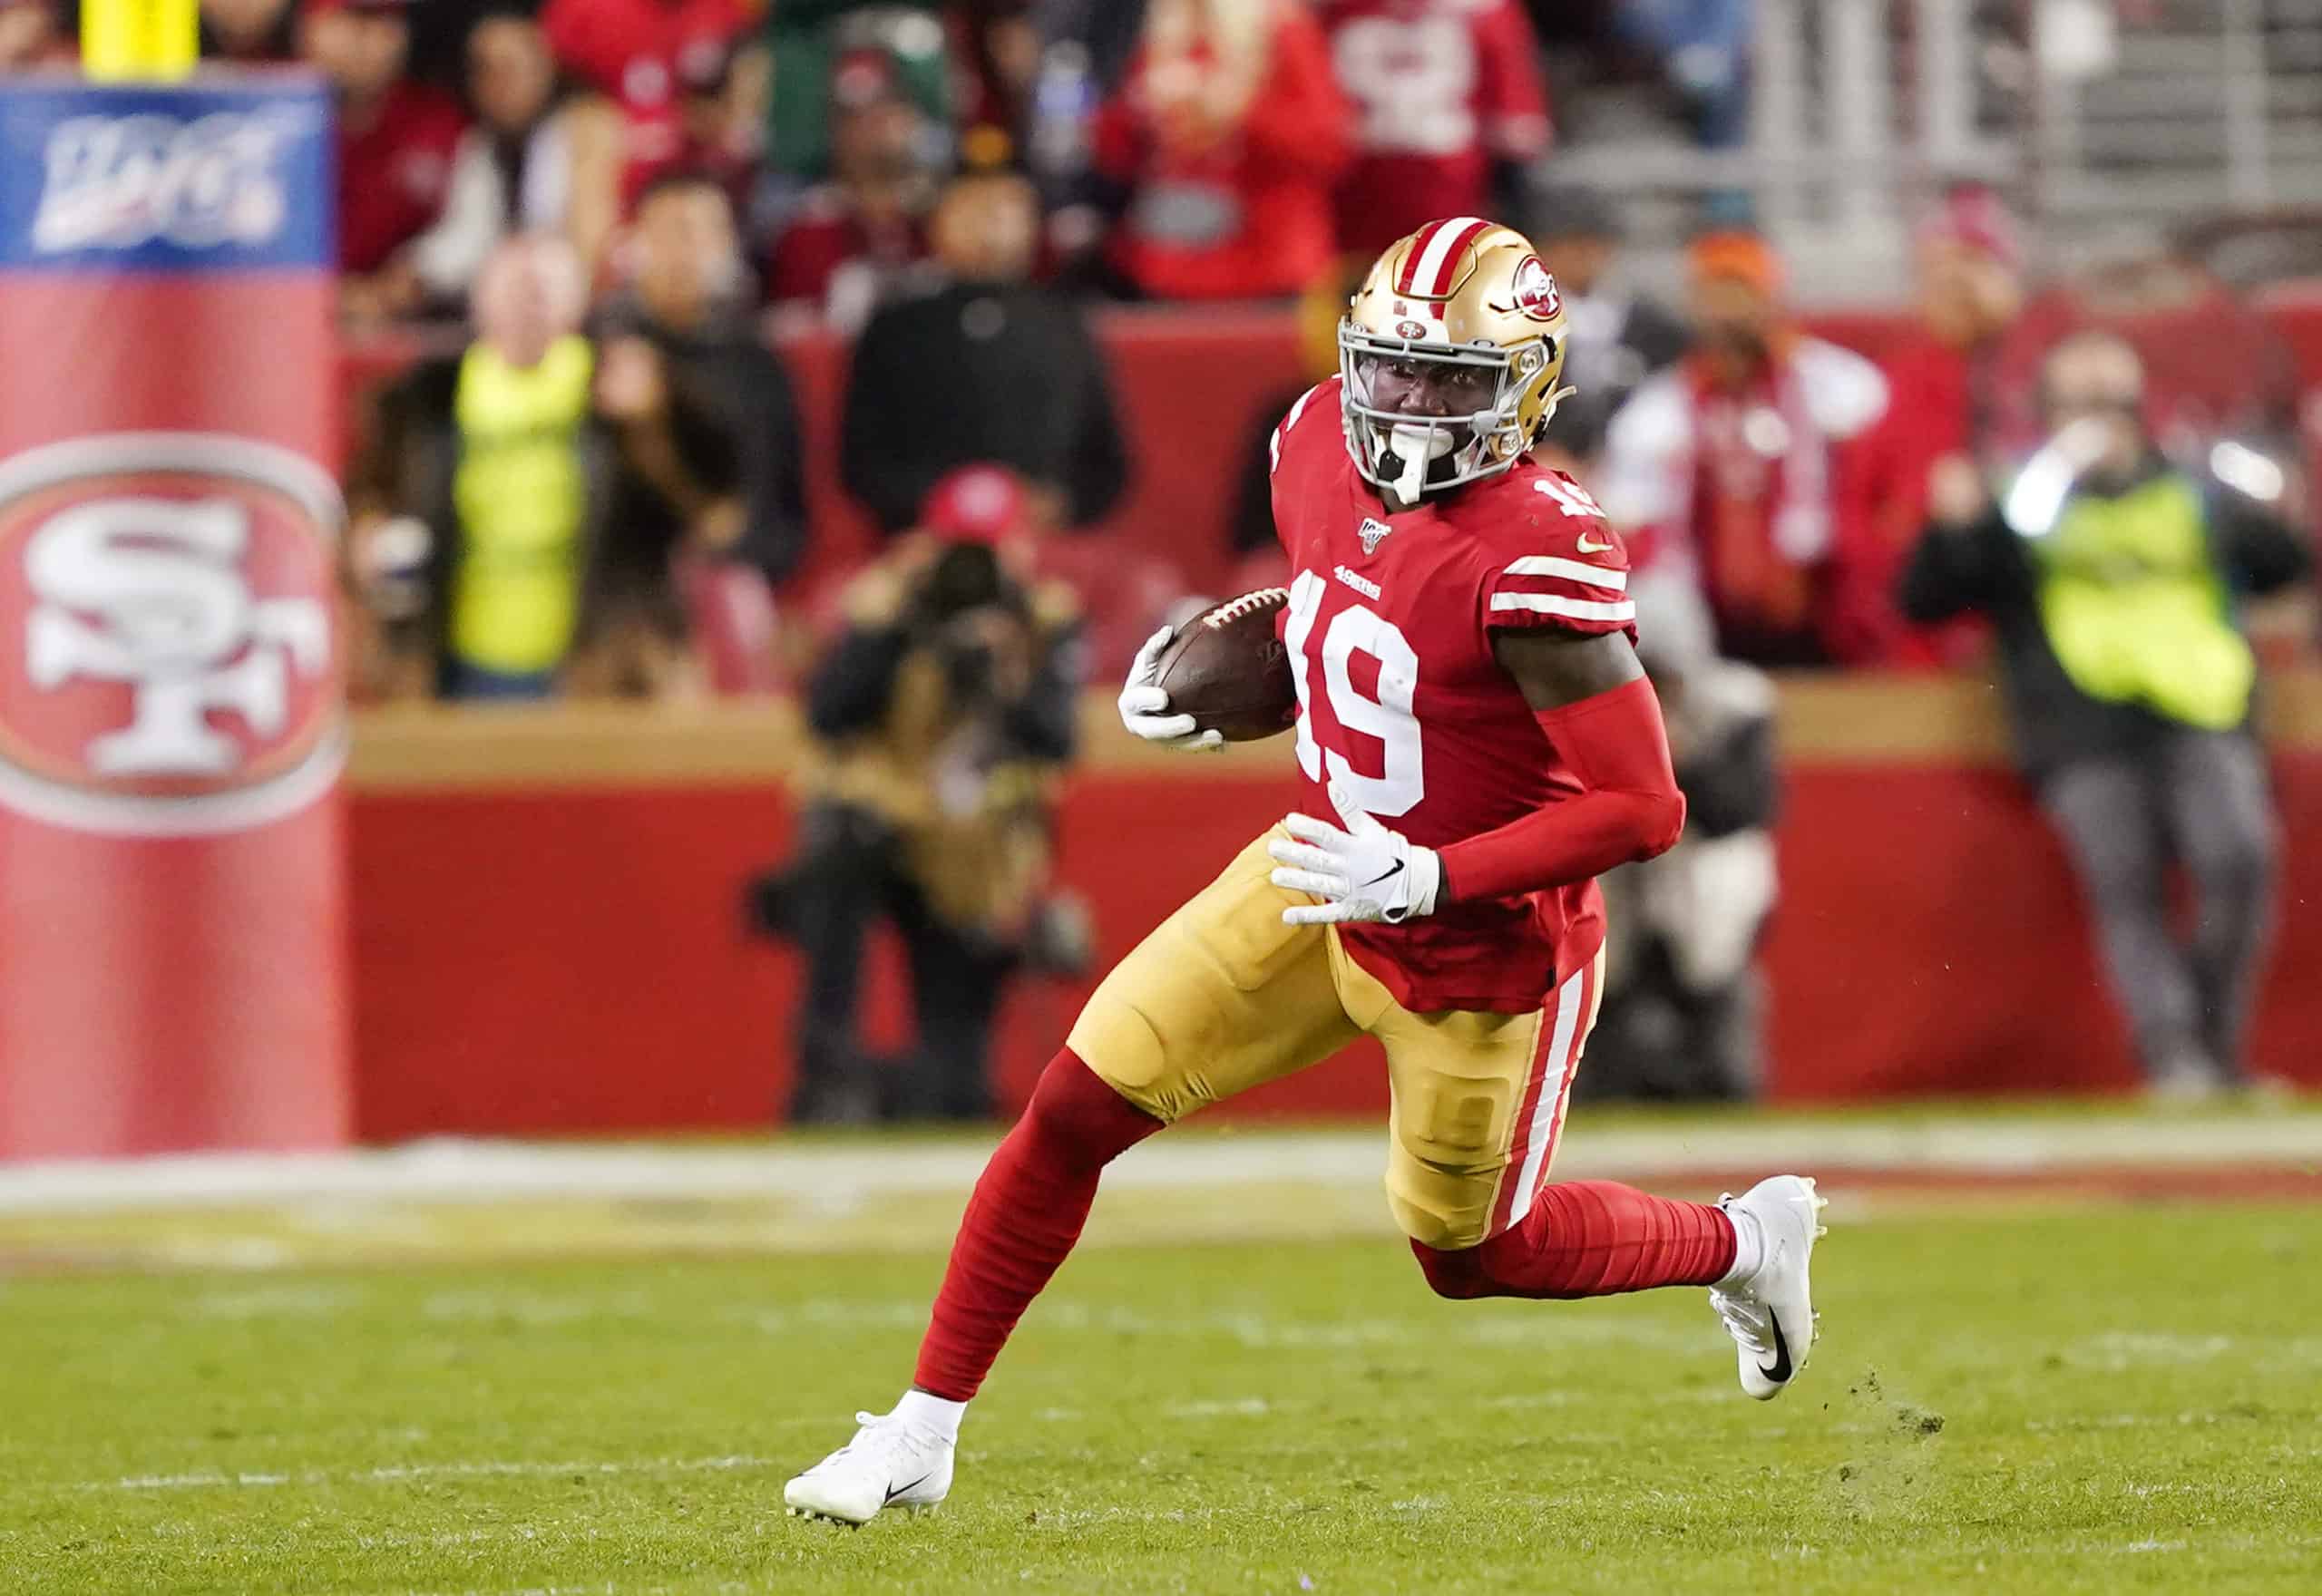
[{"x": 172, "y": 725}]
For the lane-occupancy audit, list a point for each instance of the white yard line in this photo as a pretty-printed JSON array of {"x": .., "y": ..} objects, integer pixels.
[
  {"x": 403, "y": 1473},
  {"x": 456, "y": 1171},
  {"x": 1227, "y": 1407},
  {"x": 1188, "y": 1412},
  {"x": 513, "y": 1468}
]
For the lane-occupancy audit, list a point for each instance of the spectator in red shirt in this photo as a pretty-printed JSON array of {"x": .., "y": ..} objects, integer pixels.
[
  {"x": 852, "y": 238},
  {"x": 29, "y": 36},
  {"x": 639, "y": 53},
  {"x": 1448, "y": 106},
  {"x": 250, "y": 32},
  {"x": 1947, "y": 384},
  {"x": 721, "y": 112},
  {"x": 396, "y": 142},
  {"x": 1734, "y": 466},
  {"x": 1228, "y": 133}
]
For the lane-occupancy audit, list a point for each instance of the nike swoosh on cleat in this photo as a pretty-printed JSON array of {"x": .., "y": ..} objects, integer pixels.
[
  {"x": 1778, "y": 1371},
  {"x": 1384, "y": 874},
  {"x": 930, "y": 1474}
]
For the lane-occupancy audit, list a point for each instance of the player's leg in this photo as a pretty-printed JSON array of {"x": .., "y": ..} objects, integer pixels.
[
  {"x": 1221, "y": 997},
  {"x": 1479, "y": 1108},
  {"x": 1021, "y": 1221},
  {"x": 1480, "y": 1105}
]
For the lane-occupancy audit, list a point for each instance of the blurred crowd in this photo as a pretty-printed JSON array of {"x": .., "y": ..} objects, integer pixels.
[
  {"x": 1182, "y": 148},
  {"x": 658, "y": 193},
  {"x": 652, "y": 196},
  {"x": 629, "y": 208}
]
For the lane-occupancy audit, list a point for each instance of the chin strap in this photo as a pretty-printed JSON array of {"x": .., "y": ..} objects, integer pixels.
[
  {"x": 1412, "y": 473},
  {"x": 1404, "y": 462}
]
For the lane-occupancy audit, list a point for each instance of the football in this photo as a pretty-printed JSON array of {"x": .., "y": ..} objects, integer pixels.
[{"x": 1229, "y": 671}]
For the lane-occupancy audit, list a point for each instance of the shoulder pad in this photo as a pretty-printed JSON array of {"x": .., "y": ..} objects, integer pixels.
[{"x": 1554, "y": 560}]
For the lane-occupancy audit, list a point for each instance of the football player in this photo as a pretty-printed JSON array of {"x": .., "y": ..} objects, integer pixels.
[{"x": 1478, "y": 743}]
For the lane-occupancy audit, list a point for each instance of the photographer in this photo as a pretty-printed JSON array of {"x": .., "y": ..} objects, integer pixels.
[
  {"x": 2113, "y": 580},
  {"x": 942, "y": 712}
]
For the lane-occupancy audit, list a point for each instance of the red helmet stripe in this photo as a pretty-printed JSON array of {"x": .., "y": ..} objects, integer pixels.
[
  {"x": 1448, "y": 277},
  {"x": 1411, "y": 261},
  {"x": 1431, "y": 271}
]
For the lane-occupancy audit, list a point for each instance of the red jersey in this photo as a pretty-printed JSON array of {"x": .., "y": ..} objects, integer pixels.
[
  {"x": 1402, "y": 702},
  {"x": 1755, "y": 491},
  {"x": 1248, "y": 214},
  {"x": 1931, "y": 408},
  {"x": 632, "y": 51},
  {"x": 394, "y": 174},
  {"x": 1441, "y": 88},
  {"x": 834, "y": 257}
]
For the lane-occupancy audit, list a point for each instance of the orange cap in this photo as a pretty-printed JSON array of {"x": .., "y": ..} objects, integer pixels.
[{"x": 1744, "y": 258}]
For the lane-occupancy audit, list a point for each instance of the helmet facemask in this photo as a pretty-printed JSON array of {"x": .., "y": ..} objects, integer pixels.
[{"x": 1413, "y": 451}]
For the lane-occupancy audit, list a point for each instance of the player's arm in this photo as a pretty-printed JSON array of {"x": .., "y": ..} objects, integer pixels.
[
  {"x": 1598, "y": 712},
  {"x": 1596, "y": 709}
]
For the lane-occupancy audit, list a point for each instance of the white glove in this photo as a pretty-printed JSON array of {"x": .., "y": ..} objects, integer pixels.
[
  {"x": 1362, "y": 872},
  {"x": 1144, "y": 707}
]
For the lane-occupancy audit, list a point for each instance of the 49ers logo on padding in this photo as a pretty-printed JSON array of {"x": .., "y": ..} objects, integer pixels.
[
  {"x": 169, "y": 657},
  {"x": 1535, "y": 291}
]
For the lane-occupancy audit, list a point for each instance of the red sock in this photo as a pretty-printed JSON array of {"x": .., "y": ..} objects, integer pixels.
[
  {"x": 1590, "y": 1239},
  {"x": 1027, "y": 1212}
]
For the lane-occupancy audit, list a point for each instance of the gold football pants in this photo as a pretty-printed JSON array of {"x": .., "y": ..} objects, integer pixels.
[{"x": 1224, "y": 997}]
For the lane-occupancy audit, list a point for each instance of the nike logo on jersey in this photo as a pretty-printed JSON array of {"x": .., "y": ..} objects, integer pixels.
[
  {"x": 1385, "y": 875},
  {"x": 1585, "y": 547},
  {"x": 1373, "y": 533}
]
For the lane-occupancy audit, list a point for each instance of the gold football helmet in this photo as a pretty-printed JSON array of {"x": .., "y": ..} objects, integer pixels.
[{"x": 1450, "y": 350}]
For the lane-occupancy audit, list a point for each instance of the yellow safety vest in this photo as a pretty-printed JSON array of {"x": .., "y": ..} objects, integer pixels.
[
  {"x": 2136, "y": 610},
  {"x": 521, "y": 494}
]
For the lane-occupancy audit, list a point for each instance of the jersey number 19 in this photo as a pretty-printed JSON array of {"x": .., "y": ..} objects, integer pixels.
[{"x": 1387, "y": 717}]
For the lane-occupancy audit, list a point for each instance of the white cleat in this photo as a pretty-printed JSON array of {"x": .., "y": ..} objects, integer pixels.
[
  {"x": 890, "y": 1463},
  {"x": 1770, "y": 1315}
]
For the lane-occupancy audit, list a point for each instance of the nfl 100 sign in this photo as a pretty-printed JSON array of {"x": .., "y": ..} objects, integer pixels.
[
  {"x": 169, "y": 660},
  {"x": 150, "y": 179}
]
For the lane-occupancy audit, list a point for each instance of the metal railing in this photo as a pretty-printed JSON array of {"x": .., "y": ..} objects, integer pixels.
[{"x": 2110, "y": 132}]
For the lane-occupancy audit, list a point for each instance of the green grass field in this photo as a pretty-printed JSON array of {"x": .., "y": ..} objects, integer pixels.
[{"x": 2035, "y": 1397}]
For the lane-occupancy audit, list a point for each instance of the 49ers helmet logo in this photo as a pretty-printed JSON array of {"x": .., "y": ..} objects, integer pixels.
[
  {"x": 169, "y": 662},
  {"x": 1535, "y": 291}
]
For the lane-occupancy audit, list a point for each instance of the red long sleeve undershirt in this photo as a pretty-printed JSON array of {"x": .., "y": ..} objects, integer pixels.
[{"x": 1629, "y": 807}]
